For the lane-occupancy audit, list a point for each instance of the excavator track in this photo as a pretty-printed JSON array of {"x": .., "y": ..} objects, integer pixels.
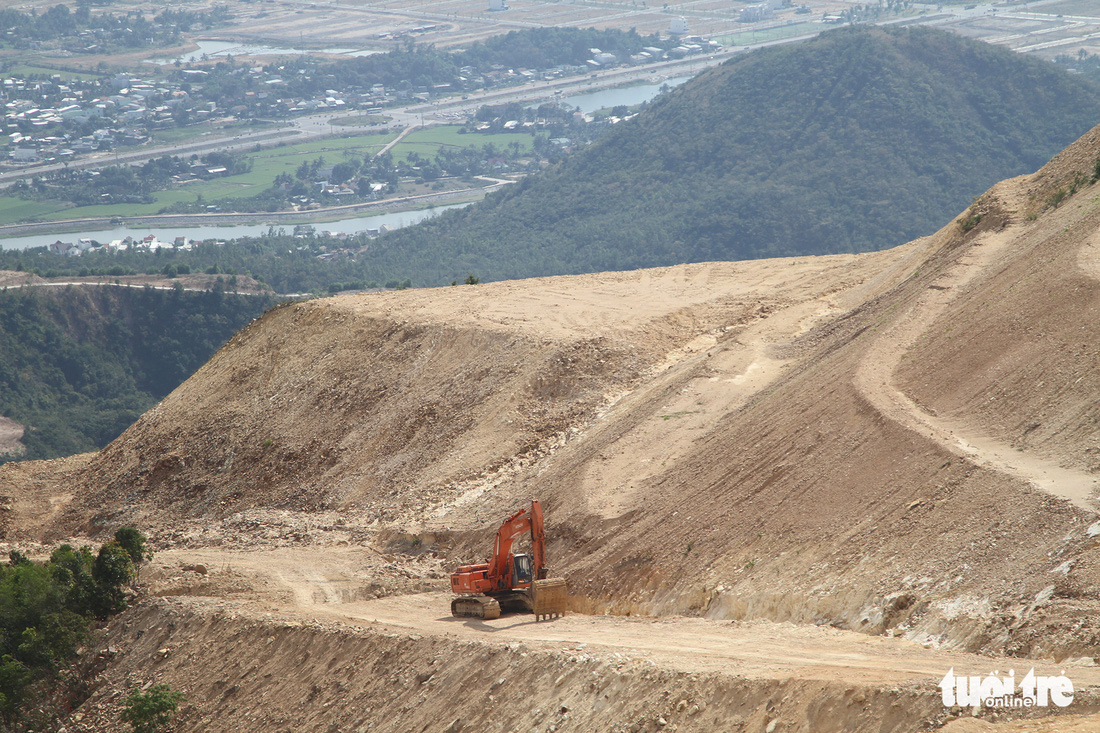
[
  {"x": 549, "y": 598},
  {"x": 475, "y": 607}
]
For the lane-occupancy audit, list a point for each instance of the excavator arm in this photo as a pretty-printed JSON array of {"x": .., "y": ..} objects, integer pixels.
[
  {"x": 500, "y": 564},
  {"x": 496, "y": 574}
]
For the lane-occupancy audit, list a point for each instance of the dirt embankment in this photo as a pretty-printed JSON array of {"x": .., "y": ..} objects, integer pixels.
[
  {"x": 415, "y": 405},
  {"x": 367, "y": 678},
  {"x": 9, "y": 278},
  {"x": 900, "y": 443}
]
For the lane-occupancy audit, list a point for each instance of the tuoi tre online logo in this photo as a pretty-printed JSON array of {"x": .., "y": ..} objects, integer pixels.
[{"x": 1002, "y": 692}]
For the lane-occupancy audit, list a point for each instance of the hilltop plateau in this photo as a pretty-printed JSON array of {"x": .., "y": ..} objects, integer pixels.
[{"x": 787, "y": 494}]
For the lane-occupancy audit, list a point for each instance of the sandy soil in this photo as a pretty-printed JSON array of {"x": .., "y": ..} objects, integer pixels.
[
  {"x": 876, "y": 382},
  {"x": 9, "y": 278},
  {"x": 901, "y": 444}
]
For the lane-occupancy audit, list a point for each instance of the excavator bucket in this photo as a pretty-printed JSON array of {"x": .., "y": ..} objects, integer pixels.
[{"x": 549, "y": 598}]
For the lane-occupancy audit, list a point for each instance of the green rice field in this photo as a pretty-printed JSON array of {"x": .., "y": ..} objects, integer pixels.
[{"x": 266, "y": 165}]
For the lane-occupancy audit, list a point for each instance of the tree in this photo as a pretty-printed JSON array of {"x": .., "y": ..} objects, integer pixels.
[
  {"x": 14, "y": 678},
  {"x": 342, "y": 172},
  {"x": 151, "y": 711},
  {"x": 133, "y": 542},
  {"x": 112, "y": 570},
  {"x": 45, "y": 612}
]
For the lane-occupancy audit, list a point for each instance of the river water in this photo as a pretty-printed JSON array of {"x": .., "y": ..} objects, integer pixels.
[
  {"x": 394, "y": 220},
  {"x": 615, "y": 96}
]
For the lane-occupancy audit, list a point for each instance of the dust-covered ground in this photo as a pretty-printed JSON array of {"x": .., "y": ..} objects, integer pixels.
[{"x": 789, "y": 494}]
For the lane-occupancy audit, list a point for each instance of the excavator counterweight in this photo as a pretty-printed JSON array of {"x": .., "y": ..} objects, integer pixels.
[{"x": 509, "y": 582}]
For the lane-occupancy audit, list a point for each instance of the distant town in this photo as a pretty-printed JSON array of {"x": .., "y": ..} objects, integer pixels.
[
  {"x": 61, "y": 119},
  {"x": 152, "y": 243}
]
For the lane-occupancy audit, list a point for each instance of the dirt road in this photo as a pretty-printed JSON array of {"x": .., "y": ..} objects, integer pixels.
[
  {"x": 328, "y": 584},
  {"x": 875, "y": 377},
  {"x": 754, "y": 650}
]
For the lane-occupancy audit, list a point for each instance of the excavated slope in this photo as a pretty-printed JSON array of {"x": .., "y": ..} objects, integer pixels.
[
  {"x": 887, "y": 483},
  {"x": 395, "y": 404},
  {"x": 902, "y": 443},
  {"x": 859, "y": 440}
]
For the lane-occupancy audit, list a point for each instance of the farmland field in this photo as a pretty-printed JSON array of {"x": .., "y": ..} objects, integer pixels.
[{"x": 266, "y": 165}]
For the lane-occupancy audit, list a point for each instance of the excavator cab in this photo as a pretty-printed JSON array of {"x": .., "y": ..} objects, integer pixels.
[{"x": 522, "y": 570}]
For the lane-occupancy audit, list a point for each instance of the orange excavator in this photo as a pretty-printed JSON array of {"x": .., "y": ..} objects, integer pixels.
[{"x": 511, "y": 582}]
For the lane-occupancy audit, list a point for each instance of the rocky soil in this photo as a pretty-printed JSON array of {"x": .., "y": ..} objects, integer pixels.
[{"x": 819, "y": 483}]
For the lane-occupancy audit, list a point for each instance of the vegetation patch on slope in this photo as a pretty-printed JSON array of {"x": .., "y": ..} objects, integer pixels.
[
  {"x": 79, "y": 364},
  {"x": 47, "y": 611}
]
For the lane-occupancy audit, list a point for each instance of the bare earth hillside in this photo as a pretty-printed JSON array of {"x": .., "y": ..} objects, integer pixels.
[{"x": 743, "y": 465}]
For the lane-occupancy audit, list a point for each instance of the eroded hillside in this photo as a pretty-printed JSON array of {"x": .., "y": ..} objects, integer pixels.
[
  {"x": 406, "y": 406},
  {"x": 902, "y": 444}
]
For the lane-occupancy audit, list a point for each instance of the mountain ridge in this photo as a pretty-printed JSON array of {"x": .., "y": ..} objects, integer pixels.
[{"x": 860, "y": 139}]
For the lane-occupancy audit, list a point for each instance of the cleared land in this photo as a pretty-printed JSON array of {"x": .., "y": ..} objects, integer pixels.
[{"x": 742, "y": 464}]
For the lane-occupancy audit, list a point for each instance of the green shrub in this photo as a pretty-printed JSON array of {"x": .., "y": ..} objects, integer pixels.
[
  {"x": 46, "y": 610},
  {"x": 1079, "y": 182},
  {"x": 971, "y": 221},
  {"x": 151, "y": 711},
  {"x": 112, "y": 569}
]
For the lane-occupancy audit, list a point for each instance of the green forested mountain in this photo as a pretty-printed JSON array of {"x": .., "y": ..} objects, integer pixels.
[
  {"x": 861, "y": 139},
  {"x": 79, "y": 364}
]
